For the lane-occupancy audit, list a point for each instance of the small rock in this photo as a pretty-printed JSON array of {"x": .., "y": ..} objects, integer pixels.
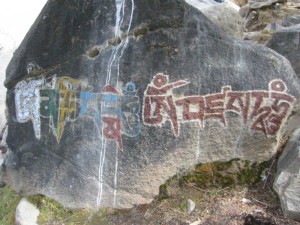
[
  {"x": 190, "y": 206},
  {"x": 257, "y": 211},
  {"x": 246, "y": 201},
  {"x": 273, "y": 26},
  {"x": 277, "y": 8},
  {"x": 26, "y": 213},
  {"x": 244, "y": 10},
  {"x": 197, "y": 222},
  {"x": 201, "y": 4}
]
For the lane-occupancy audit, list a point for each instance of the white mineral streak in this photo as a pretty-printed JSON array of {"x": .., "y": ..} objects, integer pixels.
[
  {"x": 198, "y": 150},
  {"x": 120, "y": 4},
  {"x": 114, "y": 63},
  {"x": 119, "y": 49},
  {"x": 116, "y": 177},
  {"x": 126, "y": 41},
  {"x": 100, "y": 172},
  {"x": 27, "y": 102}
]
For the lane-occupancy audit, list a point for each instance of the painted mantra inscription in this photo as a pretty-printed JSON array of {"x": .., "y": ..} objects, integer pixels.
[
  {"x": 265, "y": 110},
  {"x": 61, "y": 100}
]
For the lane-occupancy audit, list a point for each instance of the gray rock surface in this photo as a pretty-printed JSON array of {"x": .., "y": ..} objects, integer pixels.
[
  {"x": 190, "y": 205},
  {"x": 291, "y": 21},
  {"x": 286, "y": 41},
  {"x": 257, "y": 4},
  {"x": 244, "y": 10},
  {"x": 26, "y": 213},
  {"x": 287, "y": 183},
  {"x": 94, "y": 121},
  {"x": 202, "y": 4},
  {"x": 225, "y": 15}
]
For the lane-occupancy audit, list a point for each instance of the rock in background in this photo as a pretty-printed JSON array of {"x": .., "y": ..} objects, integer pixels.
[
  {"x": 262, "y": 18},
  {"x": 286, "y": 41},
  {"x": 224, "y": 15},
  {"x": 287, "y": 183},
  {"x": 277, "y": 26},
  {"x": 100, "y": 124},
  {"x": 202, "y": 4}
]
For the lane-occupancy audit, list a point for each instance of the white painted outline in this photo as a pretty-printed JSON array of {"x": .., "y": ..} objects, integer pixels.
[{"x": 27, "y": 103}]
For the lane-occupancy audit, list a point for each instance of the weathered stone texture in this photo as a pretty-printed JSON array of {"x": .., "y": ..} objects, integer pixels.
[
  {"x": 286, "y": 41},
  {"x": 26, "y": 213},
  {"x": 287, "y": 183},
  {"x": 226, "y": 18},
  {"x": 257, "y": 4},
  {"x": 95, "y": 122}
]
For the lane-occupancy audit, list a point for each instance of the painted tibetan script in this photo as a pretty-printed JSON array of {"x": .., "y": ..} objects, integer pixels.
[
  {"x": 62, "y": 100},
  {"x": 265, "y": 110},
  {"x": 117, "y": 112}
]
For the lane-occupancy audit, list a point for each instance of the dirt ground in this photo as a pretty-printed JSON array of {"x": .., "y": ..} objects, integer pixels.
[
  {"x": 212, "y": 208},
  {"x": 238, "y": 205}
]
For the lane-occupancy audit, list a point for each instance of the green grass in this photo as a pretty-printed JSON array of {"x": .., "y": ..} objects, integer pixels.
[
  {"x": 8, "y": 204},
  {"x": 52, "y": 212}
]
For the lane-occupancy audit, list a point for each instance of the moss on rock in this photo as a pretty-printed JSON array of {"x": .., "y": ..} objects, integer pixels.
[
  {"x": 53, "y": 212},
  {"x": 226, "y": 174}
]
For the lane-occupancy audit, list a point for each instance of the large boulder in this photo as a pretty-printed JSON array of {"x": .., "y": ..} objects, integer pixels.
[
  {"x": 287, "y": 183},
  {"x": 286, "y": 42},
  {"x": 109, "y": 99}
]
